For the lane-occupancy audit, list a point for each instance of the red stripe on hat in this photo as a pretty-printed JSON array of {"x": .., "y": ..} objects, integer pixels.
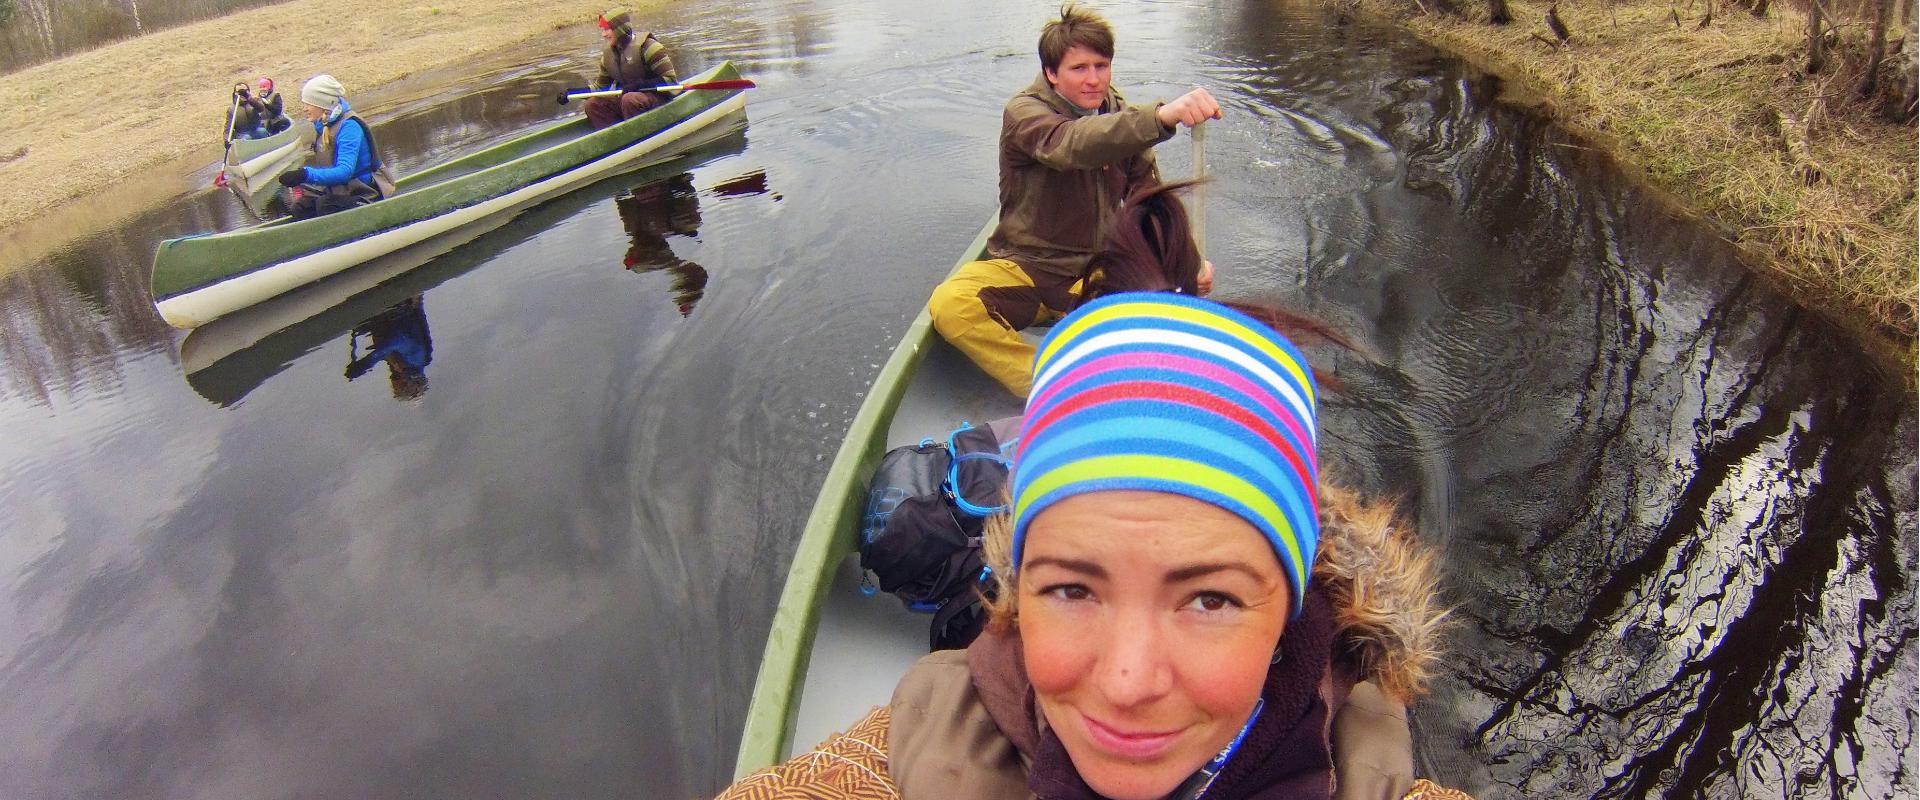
[{"x": 1178, "y": 363}]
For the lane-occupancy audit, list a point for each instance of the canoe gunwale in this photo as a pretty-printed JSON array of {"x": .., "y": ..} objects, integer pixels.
[{"x": 824, "y": 540}]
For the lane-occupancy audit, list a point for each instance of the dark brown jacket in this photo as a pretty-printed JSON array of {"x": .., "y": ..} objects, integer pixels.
[
  {"x": 1063, "y": 175},
  {"x": 641, "y": 63}
]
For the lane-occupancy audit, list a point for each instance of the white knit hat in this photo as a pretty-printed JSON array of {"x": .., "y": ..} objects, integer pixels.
[{"x": 322, "y": 91}]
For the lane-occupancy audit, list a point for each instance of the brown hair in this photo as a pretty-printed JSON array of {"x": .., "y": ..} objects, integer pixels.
[{"x": 1077, "y": 26}]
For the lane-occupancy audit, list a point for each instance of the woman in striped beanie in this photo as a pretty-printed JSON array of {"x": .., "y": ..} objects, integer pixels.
[
  {"x": 1185, "y": 600},
  {"x": 1185, "y": 608}
]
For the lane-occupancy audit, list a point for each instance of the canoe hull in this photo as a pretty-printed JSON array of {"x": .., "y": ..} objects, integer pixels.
[
  {"x": 198, "y": 279},
  {"x": 832, "y": 653},
  {"x": 253, "y": 164}
]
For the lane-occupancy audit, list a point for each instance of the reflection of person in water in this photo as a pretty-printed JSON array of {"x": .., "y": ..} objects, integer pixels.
[
  {"x": 400, "y": 338},
  {"x": 654, "y": 212}
]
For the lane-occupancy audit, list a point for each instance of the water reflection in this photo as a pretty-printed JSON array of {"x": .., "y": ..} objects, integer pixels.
[
  {"x": 651, "y": 214},
  {"x": 1679, "y": 546},
  {"x": 397, "y": 337}
]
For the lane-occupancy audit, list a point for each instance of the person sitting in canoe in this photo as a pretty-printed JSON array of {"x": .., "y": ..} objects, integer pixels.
[
  {"x": 1070, "y": 150},
  {"x": 1184, "y": 605},
  {"x": 270, "y": 108},
  {"x": 345, "y": 169},
  {"x": 247, "y": 117},
  {"x": 633, "y": 61}
]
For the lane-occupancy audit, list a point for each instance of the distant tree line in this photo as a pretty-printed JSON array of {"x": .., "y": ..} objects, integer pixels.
[{"x": 32, "y": 31}]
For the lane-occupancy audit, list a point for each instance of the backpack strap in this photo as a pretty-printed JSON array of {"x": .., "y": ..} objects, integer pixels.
[{"x": 953, "y": 473}]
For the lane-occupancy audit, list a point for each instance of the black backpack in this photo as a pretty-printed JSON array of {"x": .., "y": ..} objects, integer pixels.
[{"x": 921, "y": 533}]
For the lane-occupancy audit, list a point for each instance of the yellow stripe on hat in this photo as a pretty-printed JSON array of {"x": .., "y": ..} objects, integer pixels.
[
  {"x": 1177, "y": 470},
  {"x": 1257, "y": 340}
]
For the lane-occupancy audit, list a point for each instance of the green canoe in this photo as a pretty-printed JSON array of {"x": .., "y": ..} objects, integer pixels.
[
  {"x": 197, "y": 279},
  {"x": 833, "y": 652},
  {"x": 253, "y": 164}
]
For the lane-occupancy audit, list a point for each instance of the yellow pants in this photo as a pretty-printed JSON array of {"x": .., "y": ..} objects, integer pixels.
[{"x": 984, "y": 305}]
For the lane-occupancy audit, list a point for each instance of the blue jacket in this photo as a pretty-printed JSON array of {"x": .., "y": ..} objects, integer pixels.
[{"x": 352, "y": 158}]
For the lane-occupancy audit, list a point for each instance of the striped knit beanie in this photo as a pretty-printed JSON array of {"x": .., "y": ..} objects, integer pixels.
[{"x": 1171, "y": 393}]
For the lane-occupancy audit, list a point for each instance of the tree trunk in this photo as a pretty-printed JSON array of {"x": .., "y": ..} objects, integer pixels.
[
  {"x": 1877, "y": 48},
  {"x": 1498, "y": 13},
  {"x": 138, "y": 29},
  {"x": 1816, "y": 41},
  {"x": 40, "y": 13}
]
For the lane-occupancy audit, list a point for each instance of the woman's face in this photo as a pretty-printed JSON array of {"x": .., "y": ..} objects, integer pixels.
[
  {"x": 1148, "y": 622},
  {"x": 314, "y": 113}
]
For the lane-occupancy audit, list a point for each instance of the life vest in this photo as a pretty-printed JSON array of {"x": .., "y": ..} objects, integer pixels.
[{"x": 371, "y": 178}]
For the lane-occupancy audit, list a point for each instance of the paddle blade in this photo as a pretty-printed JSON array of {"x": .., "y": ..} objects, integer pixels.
[{"x": 736, "y": 83}]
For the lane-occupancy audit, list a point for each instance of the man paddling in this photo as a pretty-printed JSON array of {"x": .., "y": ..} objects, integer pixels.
[
  {"x": 633, "y": 62},
  {"x": 1071, "y": 150}
]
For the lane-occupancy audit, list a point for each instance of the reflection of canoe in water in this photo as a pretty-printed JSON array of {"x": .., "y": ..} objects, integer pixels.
[
  {"x": 197, "y": 279},
  {"x": 833, "y": 653},
  {"x": 253, "y": 165},
  {"x": 230, "y": 357}
]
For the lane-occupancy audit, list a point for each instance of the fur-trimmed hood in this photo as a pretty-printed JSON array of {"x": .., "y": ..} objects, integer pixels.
[{"x": 1382, "y": 586}]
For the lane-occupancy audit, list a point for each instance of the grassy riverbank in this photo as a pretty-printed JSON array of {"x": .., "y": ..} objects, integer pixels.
[
  {"x": 91, "y": 120},
  {"x": 1693, "y": 109}
]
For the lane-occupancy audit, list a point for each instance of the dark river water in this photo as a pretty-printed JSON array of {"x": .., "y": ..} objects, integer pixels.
[{"x": 512, "y": 523}]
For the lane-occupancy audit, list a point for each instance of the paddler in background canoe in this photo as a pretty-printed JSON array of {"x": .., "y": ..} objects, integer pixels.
[
  {"x": 250, "y": 116},
  {"x": 270, "y": 107},
  {"x": 345, "y": 169},
  {"x": 1071, "y": 150},
  {"x": 632, "y": 61}
]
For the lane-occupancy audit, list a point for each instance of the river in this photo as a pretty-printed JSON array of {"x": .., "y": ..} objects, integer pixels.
[{"x": 513, "y": 524}]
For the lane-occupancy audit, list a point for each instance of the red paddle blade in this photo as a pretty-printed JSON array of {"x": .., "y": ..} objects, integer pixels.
[{"x": 737, "y": 83}]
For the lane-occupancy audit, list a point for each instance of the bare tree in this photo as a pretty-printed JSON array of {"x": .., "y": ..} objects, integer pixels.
[
  {"x": 1876, "y": 48},
  {"x": 1816, "y": 39},
  {"x": 40, "y": 13}
]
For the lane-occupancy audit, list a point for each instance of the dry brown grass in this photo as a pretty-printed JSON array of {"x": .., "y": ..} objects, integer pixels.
[
  {"x": 1693, "y": 109},
  {"x": 167, "y": 91}
]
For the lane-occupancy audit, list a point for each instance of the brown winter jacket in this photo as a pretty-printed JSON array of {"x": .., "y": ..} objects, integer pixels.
[
  {"x": 962, "y": 724},
  {"x": 1063, "y": 175}
]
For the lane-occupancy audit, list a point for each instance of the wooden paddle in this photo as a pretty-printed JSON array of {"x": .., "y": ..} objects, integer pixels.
[
  {"x": 233, "y": 116},
  {"x": 582, "y": 93}
]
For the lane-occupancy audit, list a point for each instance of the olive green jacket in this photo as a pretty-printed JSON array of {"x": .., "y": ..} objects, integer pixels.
[{"x": 1063, "y": 175}]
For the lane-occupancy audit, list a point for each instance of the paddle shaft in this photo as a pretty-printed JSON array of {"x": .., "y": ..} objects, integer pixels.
[
  {"x": 1199, "y": 133},
  {"x": 582, "y": 94},
  {"x": 233, "y": 117}
]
